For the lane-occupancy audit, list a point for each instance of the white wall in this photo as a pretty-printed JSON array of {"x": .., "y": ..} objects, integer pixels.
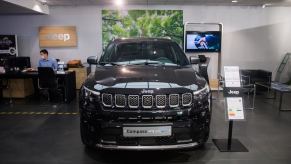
[{"x": 253, "y": 37}]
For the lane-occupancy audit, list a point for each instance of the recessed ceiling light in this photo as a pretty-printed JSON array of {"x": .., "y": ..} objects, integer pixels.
[
  {"x": 118, "y": 2},
  {"x": 234, "y": 1},
  {"x": 43, "y": 1},
  {"x": 266, "y": 5}
]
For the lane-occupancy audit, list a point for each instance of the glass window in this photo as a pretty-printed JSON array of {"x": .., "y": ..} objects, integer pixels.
[{"x": 145, "y": 52}]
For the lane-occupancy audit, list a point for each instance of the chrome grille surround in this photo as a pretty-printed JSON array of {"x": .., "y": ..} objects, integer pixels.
[
  {"x": 107, "y": 99},
  {"x": 161, "y": 101},
  {"x": 133, "y": 101},
  {"x": 186, "y": 99},
  {"x": 120, "y": 101},
  {"x": 147, "y": 101},
  {"x": 173, "y": 100}
]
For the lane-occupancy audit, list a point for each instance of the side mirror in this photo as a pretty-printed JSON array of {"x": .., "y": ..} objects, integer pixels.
[
  {"x": 92, "y": 60},
  {"x": 194, "y": 60}
]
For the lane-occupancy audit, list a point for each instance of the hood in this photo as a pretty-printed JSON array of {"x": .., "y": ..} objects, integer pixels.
[{"x": 148, "y": 76}]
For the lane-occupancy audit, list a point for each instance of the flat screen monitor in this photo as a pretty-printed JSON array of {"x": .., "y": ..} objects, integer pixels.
[
  {"x": 22, "y": 62},
  {"x": 203, "y": 41}
]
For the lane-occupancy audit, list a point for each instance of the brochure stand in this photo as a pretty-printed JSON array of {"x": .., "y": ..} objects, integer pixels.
[
  {"x": 230, "y": 144},
  {"x": 234, "y": 110}
]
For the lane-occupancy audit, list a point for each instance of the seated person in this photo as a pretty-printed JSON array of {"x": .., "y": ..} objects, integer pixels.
[{"x": 47, "y": 62}]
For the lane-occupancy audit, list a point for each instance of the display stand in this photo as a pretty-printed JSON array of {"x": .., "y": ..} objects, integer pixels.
[
  {"x": 213, "y": 27},
  {"x": 234, "y": 109},
  {"x": 230, "y": 144}
]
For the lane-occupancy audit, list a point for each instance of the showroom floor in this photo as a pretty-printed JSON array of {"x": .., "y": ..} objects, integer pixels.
[{"x": 28, "y": 135}]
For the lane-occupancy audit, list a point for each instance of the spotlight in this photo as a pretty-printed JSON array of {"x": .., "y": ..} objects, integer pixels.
[
  {"x": 234, "y": 1},
  {"x": 266, "y": 5},
  {"x": 118, "y": 2},
  {"x": 44, "y": 2}
]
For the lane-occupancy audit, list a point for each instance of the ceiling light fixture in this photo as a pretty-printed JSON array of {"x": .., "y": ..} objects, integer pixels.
[
  {"x": 234, "y": 1},
  {"x": 118, "y": 2},
  {"x": 44, "y": 2},
  {"x": 266, "y": 5}
]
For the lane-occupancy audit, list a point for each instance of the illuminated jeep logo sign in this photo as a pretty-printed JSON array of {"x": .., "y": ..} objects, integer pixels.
[
  {"x": 144, "y": 91},
  {"x": 233, "y": 92},
  {"x": 58, "y": 36},
  {"x": 62, "y": 37}
]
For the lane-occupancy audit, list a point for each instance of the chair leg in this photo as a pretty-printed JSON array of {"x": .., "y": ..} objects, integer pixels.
[
  {"x": 10, "y": 93},
  {"x": 48, "y": 95}
]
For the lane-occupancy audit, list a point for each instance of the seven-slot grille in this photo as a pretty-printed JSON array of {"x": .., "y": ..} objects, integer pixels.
[
  {"x": 161, "y": 101},
  {"x": 133, "y": 101},
  {"x": 186, "y": 99},
  {"x": 120, "y": 100},
  {"x": 174, "y": 100},
  {"x": 146, "y": 101},
  {"x": 107, "y": 99}
]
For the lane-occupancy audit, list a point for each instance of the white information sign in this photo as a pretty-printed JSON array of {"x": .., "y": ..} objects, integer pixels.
[
  {"x": 231, "y": 75},
  {"x": 235, "y": 108}
]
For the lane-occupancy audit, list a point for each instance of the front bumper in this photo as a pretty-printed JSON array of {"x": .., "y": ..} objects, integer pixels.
[
  {"x": 104, "y": 127},
  {"x": 107, "y": 132},
  {"x": 157, "y": 147}
]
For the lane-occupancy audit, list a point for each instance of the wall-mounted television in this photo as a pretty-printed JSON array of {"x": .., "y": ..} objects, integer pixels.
[{"x": 203, "y": 41}]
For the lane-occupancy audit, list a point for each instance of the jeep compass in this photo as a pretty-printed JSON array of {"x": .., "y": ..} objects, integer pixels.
[{"x": 144, "y": 95}]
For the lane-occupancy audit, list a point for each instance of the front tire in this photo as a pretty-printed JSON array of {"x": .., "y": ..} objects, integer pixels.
[{"x": 86, "y": 134}]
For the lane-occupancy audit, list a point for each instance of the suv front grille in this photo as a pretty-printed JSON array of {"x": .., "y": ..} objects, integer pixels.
[
  {"x": 133, "y": 101},
  {"x": 107, "y": 100},
  {"x": 186, "y": 99},
  {"x": 146, "y": 101},
  {"x": 120, "y": 100},
  {"x": 161, "y": 101},
  {"x": 174, "y": 100}
]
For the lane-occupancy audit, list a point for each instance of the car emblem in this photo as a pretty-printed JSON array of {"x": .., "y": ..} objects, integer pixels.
[{"x": 144, "y": 91}]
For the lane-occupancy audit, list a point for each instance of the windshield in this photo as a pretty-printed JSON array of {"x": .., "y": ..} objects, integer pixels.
[{"x": 150, "y": 52}]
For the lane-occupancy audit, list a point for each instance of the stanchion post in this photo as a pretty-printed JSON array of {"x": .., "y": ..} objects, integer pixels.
[{"x": 229, "y": 134}]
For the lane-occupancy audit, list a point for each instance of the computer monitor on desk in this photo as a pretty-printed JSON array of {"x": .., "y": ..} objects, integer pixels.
[
  {"x": 12, "y": 63},
  {"x": 22, "y": 62}
]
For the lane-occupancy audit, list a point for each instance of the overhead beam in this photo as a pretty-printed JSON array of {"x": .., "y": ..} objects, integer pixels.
[{"x": 33, "y": 5}]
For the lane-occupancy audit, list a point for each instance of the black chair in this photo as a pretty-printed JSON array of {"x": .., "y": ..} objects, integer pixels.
[{"x": 48, "y": 82}]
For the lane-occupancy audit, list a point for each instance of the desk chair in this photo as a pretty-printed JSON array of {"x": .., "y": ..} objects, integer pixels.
[
  {"x": 48, "y": 82},
  {"x": 248, "y": 88},
  {"x": 5, "y": 84}
]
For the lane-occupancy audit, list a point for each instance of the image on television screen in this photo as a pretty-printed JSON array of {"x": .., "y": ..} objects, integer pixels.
[{"x": 209, "y": 41}]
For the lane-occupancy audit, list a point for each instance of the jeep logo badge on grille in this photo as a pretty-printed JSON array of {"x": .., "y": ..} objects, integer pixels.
[{"x": 144, "y": 91}]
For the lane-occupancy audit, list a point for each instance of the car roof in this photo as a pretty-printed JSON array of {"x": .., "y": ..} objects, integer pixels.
[{"x": 140, "y": 39}]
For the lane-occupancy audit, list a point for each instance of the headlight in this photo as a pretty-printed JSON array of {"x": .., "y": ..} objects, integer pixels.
[
  {"x": 90, "y": 94},
  {"x": 200, "y": 94}
]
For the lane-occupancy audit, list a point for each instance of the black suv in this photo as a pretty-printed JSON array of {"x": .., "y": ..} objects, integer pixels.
[{"x": 144, "y": 95}]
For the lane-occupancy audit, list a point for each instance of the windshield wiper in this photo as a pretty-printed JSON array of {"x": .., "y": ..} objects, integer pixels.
[
  {"x": 111, "y": 63},
  {"x": 145, "y": 62}
]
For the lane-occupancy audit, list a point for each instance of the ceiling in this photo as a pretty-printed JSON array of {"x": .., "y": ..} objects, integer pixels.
[
  {"x": 8, "y": 8},
  {"x": 172, "y": 2}
]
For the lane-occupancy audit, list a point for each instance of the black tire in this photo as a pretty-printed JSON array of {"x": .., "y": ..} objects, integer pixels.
[{"x": 86, "y": 135}]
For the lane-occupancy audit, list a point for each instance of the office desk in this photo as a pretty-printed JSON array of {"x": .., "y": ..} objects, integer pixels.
[{"x": 68, "y": 78}]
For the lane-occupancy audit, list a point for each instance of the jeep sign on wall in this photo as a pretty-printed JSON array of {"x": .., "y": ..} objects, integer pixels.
[
  {"x": 8, "y": 45},
  {"x": 57, "y": 36}
]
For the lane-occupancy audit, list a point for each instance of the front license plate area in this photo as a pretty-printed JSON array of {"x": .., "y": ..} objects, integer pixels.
[{"x": 154, "y": 131}]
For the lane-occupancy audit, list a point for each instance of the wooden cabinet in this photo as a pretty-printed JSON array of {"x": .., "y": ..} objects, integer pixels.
[
  {"x": 81, "y": 75},
  {"x": 18, "y": 88},
  {"x": 213, "y": 84}
]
